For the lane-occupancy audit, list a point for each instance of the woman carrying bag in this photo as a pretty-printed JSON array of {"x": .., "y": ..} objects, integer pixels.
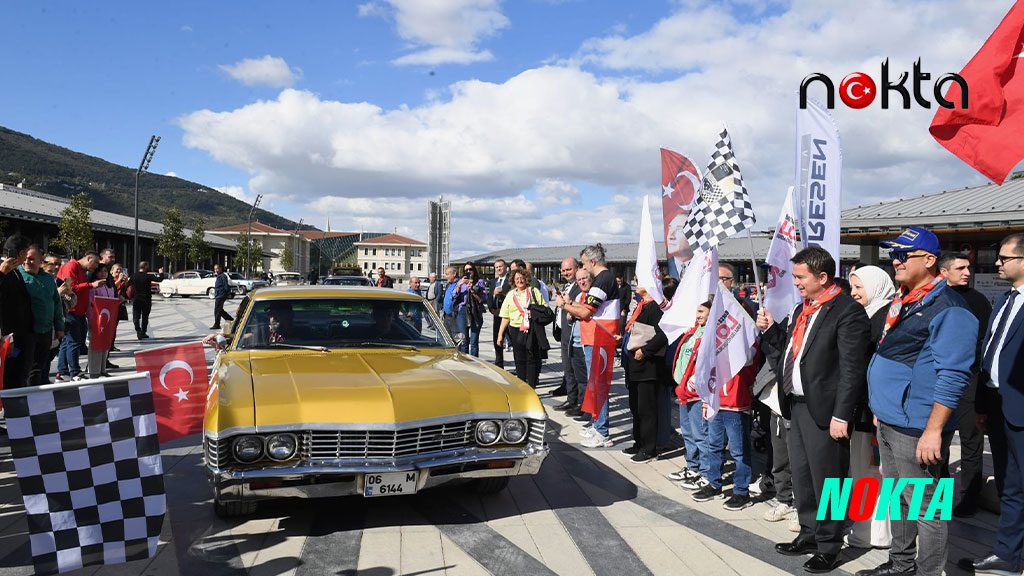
[{"x": 521, "y": 312}]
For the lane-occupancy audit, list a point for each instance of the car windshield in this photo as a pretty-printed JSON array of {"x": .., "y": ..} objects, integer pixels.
[
  {"x": 205, "y": 274},
  {"x": 348, "y": 281},
  {"x": 340, "y": 323}
]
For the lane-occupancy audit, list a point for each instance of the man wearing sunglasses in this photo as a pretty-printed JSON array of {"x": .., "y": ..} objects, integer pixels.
[
  {"x": 915, "y": 380},
  {"x": 1000, "y": 406}
]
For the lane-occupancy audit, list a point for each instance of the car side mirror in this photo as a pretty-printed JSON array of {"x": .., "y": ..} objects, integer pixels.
[{"x": 220, "y": 343}]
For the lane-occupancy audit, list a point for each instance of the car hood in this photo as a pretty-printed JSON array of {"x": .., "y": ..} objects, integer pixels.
[{"x": 375, "y": 386}]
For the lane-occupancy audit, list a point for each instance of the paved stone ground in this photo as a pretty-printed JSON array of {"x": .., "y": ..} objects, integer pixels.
[{"x": 587, "y": 512}]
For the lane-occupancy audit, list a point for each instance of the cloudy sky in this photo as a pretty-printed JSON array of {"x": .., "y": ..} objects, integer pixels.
[{"x": 540, "y": 120}]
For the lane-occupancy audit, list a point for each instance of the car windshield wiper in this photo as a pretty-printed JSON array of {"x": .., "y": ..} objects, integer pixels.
[
  {"x": 386, "y": 345},
  {"x": 300, "y": 346}
]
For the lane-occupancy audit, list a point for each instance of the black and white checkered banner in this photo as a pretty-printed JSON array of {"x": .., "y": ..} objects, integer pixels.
[
  {"x": 722, "y": 209},
  {"x": 88, "y": 463}
]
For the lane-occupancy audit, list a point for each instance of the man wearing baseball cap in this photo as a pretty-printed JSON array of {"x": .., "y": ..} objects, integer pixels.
[{"x": 919, "y": 372}]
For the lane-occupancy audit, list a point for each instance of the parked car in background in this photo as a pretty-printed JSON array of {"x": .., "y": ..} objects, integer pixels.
[
  {"x": 324, "y": 391},
  {"x": 346, "y": 281},
  {"x": 245, "y": 285},
  {"x": 191, "y": 283},
  {"x": 288, "y": 279}
]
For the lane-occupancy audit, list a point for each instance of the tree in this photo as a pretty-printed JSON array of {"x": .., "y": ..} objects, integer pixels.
[
  {"x": 287, "y": 256},
  {"x": 171, "y": 244},
  {"x": 74, "y": 233},
  {"x": 198, "y": 249},
  {"x": 243, "y": 249}
]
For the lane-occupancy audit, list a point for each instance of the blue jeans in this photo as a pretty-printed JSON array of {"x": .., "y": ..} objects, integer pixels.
[
  {"x": 73, "y": 341},
  {"x": 694, "y": 429},
  {"x": 601, "y": 419},
  {"x": 471, "y": 343},
  {"x": 736, "y": 427}
]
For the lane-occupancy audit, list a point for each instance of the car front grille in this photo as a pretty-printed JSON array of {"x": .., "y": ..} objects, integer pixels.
[
  {"x": 389, "y": 444},
  {"x": 218, "y": 452}
]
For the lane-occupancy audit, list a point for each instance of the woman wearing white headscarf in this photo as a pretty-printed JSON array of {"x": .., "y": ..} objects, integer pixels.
[{"x": 873, "y": 289}]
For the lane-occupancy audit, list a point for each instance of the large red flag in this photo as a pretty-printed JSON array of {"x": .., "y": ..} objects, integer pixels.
[
  {"x": 987, "y": 135},
  {"x": 180, "y": 380},
  {"x": 5, "y": 349},
  {"x": 602, "y": 363},
  {"x": 680, "y": 181},
  {"x": 103, "y": 322}
]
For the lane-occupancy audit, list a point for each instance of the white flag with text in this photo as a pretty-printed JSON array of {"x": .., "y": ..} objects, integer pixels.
[{"x": 648, "y": 272}]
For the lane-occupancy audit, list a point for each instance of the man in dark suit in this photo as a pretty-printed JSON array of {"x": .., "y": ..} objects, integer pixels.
[
  {"x": 221, "y": 293},
  {"x": 574, "y": 370},
  {"x": 822, "y": 380},
  {"x": 496, "y": 291},
  {"x": 1000, "y": 404}
]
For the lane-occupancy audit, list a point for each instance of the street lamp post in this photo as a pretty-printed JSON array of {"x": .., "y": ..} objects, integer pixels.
[
  {"x": 154, "y": 141},
  {"x": 248, "y": 238},
  {"x": 295, "y": 249}
]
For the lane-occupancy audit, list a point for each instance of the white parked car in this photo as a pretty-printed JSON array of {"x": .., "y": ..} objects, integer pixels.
[
  {"x": 288, "y": 279},
  {"x": 190, "y": 283},
  {"x": 245, "y": 285}
]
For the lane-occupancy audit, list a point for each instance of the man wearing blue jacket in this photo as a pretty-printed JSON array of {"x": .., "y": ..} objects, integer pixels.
[{"x": 919, "y": 372}]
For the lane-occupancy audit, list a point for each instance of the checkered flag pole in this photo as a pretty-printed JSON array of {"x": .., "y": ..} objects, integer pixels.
[
  {"x": 722, "y": 209},
  {"x": 88, "y": 464}
]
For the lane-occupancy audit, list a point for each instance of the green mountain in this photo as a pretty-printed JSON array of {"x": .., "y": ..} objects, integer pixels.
[{"x": 61, "y": 172}]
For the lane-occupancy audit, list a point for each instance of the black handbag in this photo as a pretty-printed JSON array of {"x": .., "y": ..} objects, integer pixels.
[{"x": 541, "y": 314}]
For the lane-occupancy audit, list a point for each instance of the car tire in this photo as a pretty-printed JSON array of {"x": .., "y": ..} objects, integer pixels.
[
  {"x": 167, "y": 295},
  {"x": 209, "y": 293},
  {"x": 233, "y": 509},
  {"x": 491, "y": 485}
]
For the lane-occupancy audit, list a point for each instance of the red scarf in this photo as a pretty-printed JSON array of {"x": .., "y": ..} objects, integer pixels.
[
  {"x": 906, "y": 297},
  {"x": 810, "y": 307},
  {"x": 636, "y": 312},
  {"x": 524, "y": 312}
]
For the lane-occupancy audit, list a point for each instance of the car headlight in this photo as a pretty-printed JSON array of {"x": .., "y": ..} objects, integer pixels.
[
  {"x": 487, "y": 432},
  {"x": 281, "y": 446},
  {"x": 248, "y": 449},
  {"x": 513, "y": 431}
]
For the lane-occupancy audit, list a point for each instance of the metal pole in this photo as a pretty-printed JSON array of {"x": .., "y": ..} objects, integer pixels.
[
  {"x": 753, "y": 260},
  {"x": 135, "y": 250}
]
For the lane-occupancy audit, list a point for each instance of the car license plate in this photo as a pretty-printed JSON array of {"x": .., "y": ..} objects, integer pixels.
[{"x": 390, "y": 483}]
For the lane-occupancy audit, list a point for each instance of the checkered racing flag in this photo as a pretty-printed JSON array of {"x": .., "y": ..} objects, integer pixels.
[
  {"x": 88, "y": 463},
  {"x": 722, "y": 209}
]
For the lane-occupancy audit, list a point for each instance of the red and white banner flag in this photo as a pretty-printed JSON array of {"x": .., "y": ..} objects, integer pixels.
[
  {"x": 602, "y": 364},
  {"x": 986, "y": 134},
  {"x": 697, "y": 283},
  {"x": 103, "y": 322},
  {"x": 180, "y": 381},
  {"x": 648, "y": 271},
  {"x": 6, "y": 344},
  {"x": 780, "y": 295},
  {"x": 680, "y": 182}
]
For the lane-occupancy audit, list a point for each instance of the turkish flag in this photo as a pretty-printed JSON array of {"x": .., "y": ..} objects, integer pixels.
[
  {"x": 680, "y": 182},
  {"x": 602, "y": 363},
  {"x": 103, "y": 322},
  {"x": 5, "y": 349},
  {"x": 987, "y": 135},
  {"x": 180, "y": 380}
]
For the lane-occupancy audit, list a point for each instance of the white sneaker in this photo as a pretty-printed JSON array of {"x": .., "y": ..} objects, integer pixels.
[
  {"x": 683, "y": 474},
  {"x": 596, "y": 440},
  {"x": 779, "y": 511},
  {"x": 587, "y": 432},
  {"x": 794, "y": 524},
  {"x": 695, "y": 483}
]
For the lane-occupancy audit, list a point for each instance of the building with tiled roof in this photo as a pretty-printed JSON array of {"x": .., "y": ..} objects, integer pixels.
[
  {"x": 274, "y": 240},
  {"x": 400, "y": 256}
]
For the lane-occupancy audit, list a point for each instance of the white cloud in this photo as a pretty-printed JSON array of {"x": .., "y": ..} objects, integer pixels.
[
  {"x": 236, "y": 192},
  {"x": 171, "y": 174},
  {"x": 441, "y": 31},
  {"x": 551, "y": 191},
  {"x": 266, "y": 71}
]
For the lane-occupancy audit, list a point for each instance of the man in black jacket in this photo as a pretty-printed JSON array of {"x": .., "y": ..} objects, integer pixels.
[
  {"x": 574, "y": 370},
  {"x": 16, "y": 312},
  {"x": 221, "y": 293},
  {"x": 823, "y": 378},
  {"x": 142, "y": 302},
  {"x": 496, "y": 291}
]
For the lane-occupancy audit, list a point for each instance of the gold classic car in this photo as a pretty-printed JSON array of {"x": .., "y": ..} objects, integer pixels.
[{"x": 329, "y": 390}]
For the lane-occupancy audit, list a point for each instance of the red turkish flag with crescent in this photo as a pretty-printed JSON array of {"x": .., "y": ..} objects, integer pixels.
[
  {"x": 180, "y": 381},
  {"x": 103, "y": 322},
  {"x": 680, "y": 182},
  {"x": 987, "y": 135},
  {"x": 5, "y": 349},
  {"x": 602, "y": 364}
]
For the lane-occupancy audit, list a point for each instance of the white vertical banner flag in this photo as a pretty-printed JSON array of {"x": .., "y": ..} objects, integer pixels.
[
  {"x": 727, "y": 346},
  {"x": 648, "y": 273},
  {"x": 819, "y": 167},
  {"x": 780, "y": 295},
  {"x": 704, "y": 367},
  {"x": 693, "y": 290}
]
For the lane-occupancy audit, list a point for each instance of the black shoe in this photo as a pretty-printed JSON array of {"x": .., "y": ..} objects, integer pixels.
[
  {"x": 821, "y": 563},
  {"x": 112, "y": 366},
  {"x": 631, "y": 450},
  {"x": 641, "y": 457},
  {"x": 707, "y": 492},
  {"x": 215, "y": 327},
  {"x": 990, "y": 565},
  {"x": 560, "y": 391},
  {"x": 888, "y": 569},
  {"x": 564, "y": 406},
  {"x": 797, "y": 547},
  {"x": 738, "y": 502},
  {"x": 144, "y": 337},
  {"x": 584, "y": 417},
  {"x": 966, "y": 508},
  {"x": 574, "y": 412}
]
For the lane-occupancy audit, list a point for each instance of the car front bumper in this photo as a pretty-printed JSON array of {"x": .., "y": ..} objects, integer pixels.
[{"x": 323, "y": 478}]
